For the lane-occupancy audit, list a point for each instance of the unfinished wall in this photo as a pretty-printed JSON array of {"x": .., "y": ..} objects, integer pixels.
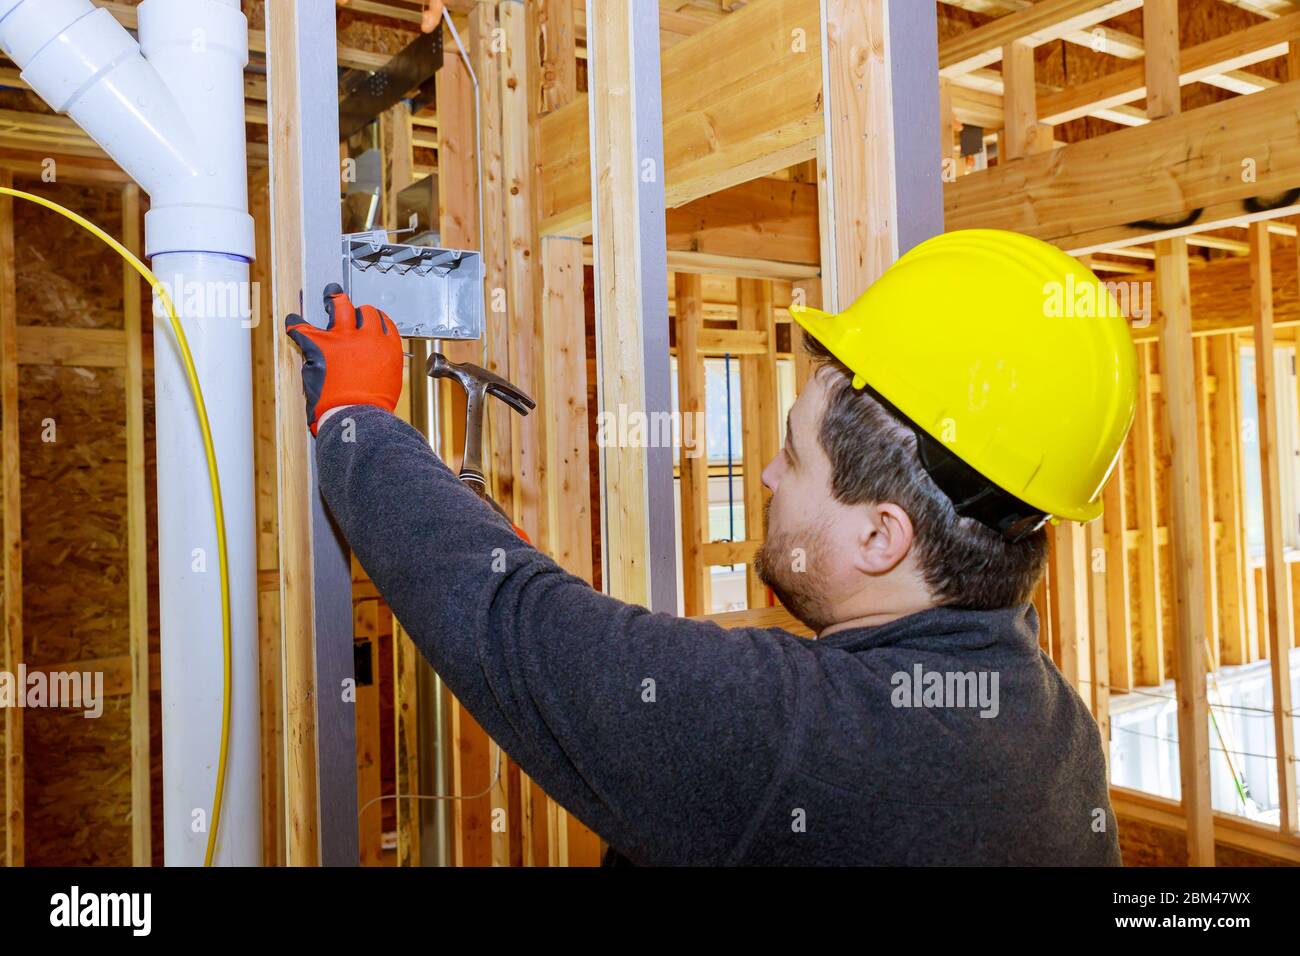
[{"x": 73, "y": 472}]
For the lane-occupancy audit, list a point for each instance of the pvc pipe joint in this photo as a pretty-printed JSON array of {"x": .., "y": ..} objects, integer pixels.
[{"x": 168, "y": 110}]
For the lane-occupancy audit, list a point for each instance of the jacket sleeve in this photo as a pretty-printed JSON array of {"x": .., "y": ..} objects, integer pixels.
[{"x": 666, "y": 736}]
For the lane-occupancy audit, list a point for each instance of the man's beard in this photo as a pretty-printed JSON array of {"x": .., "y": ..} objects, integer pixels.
[{"x": 775, "y": 565}]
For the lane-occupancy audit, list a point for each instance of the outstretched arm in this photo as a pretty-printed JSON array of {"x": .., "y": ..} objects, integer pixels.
[{"x": 660, "y": 733}]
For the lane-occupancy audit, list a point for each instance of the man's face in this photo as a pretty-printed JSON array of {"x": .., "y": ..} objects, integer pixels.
[{"x": 806, "y": 527}]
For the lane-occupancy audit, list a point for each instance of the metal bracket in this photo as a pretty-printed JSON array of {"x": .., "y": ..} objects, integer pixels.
[{"x": 430, "y": 293}]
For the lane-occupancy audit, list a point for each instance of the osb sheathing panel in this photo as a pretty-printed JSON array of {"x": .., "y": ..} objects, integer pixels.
[{"x": 77, "y": 782}]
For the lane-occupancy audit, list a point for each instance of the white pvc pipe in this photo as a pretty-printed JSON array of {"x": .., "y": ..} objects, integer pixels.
[
  {"x": 211, "y": 293},
  {"x": 170, "y": 111}
]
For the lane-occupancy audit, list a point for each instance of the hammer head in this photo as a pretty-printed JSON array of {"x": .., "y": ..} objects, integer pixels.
[{"x": 478, "y": 381}]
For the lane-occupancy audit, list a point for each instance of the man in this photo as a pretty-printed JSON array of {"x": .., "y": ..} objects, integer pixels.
[{"x": 949, "y": 416}]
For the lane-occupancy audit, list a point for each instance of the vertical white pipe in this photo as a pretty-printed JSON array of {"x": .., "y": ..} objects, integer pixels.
[
  {"x": 170, "y": 110},
  {"x": 210, "y": 292}
]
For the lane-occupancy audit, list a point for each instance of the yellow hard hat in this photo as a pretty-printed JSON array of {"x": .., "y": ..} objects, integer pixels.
[{"x": 1009, "y": 354}]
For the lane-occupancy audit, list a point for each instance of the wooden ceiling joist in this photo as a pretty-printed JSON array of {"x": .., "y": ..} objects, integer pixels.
[
  {"x": 1035, "y": 25},
  {"x": 1219, "y": 56}
]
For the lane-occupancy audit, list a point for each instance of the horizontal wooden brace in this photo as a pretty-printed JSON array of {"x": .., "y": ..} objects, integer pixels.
[
  {"x": 729, "y": 552},
  {"x": 732, "y": 342},
  {"x": 84, "y": 348}
]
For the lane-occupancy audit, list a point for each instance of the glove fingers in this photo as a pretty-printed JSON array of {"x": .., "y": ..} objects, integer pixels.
[
  {"x": 339, "y": 308},
  {"x": 368, "y": 315},
  {"x": 385, "y": 323}
]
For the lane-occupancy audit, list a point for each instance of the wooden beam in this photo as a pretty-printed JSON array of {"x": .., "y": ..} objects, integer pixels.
[
  {"x": 1179, "y": 439},
  {"x": 137, "y": 538},
  {"x": 1281, "y": 624},
  {"x": 1163, "y": 179},
  {"x": 737, "y": 104},
  {"x": 628, "y": 134},
  {"x": 11, "y": 536}
]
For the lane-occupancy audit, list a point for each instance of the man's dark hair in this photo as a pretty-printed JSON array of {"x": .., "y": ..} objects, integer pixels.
[{"x": 874, "y": 458}]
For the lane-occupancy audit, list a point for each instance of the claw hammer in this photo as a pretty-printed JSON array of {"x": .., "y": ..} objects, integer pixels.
[{"x": 479, "y": 383}]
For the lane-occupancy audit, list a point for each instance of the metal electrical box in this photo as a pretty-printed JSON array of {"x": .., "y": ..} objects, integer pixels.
[{"x": 429, "y": 293}]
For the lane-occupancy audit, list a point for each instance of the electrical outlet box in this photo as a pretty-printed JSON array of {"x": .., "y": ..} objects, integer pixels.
[{"x": 429, "y": 293}]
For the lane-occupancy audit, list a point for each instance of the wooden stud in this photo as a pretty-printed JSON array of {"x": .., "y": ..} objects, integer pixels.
[
  {"x": 1116, "y": 598},
  {"x": 1178, "y": 386},
  {"x": 517, "y": 179},
  {"x": 137, "y": 538},
  {"x": 1099, "y": 632},
  {"x": 1230, "y": 549},
  {"x": 759, "y": 427},
  {"x": 880, "y": 189},
  {"x": 494, "y": 244},
  {"x": 1070, "y": 608},
  {"x": 315, "y": 573},
  {"x": 809, "y": 292},
  {"x": 1020, "y": 113},
  {"x": 631, "y": 296},
  {"x": 1150, "y": 656},
  {"x": 267, "y": 503},
  {"x": 569, "y": 843},
  {"x": 558, "y": 49},
  {"x": 369, "y": 784},
  {"x": 696, "y": 593},
  {"x": 474, "y": 756},
  {"x": 1281, "y": 624},
  {"x": 1204, "y": 451},
  {"x": 1161, "y": 62},
  {"x": 11, "y": 541}
]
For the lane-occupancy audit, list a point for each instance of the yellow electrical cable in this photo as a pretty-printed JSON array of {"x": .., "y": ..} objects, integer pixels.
[{"x": 219, "y": 514}]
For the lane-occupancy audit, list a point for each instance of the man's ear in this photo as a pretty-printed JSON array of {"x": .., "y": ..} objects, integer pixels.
[{"x": 886, "y": 539}]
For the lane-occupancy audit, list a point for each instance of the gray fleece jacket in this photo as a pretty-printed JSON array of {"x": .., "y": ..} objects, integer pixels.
[{"x": 946, "y": 737}]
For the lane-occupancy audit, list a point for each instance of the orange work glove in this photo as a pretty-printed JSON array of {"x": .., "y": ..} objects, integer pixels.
[{"x": 355, "y": 360}]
